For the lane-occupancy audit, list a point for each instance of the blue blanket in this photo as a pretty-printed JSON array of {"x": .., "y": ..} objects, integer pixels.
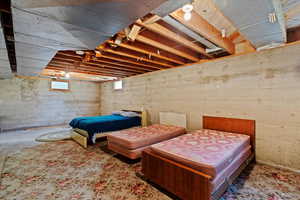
[{"x": 105, "y": 123}]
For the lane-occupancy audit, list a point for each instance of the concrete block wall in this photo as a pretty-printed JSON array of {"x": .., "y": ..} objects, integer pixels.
[
  {"x": 264, "y": 86},
  {"x": 28, "y": 102}
]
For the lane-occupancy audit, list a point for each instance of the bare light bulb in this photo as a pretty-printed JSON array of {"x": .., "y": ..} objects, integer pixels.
[
  {"x": 187, "y": 8},
  {"x": 187, "y": 16},
  {"x": 67, "y": 75}
]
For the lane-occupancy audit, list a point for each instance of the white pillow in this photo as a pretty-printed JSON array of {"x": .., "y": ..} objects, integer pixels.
[
  {"x": 118, "y": 112},
  {"x": 129, "y": 114}
]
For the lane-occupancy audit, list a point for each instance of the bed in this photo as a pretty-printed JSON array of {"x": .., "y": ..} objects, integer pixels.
[
  {"x": 87, "y": 129},
  {"x": 200, "y": 165},
  {"x": 132, "y": 142}
]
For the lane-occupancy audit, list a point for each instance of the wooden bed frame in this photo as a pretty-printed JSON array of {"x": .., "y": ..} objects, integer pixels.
[
  {"x": 185, "y": 182},
  {"x": 81, "y": 136}
]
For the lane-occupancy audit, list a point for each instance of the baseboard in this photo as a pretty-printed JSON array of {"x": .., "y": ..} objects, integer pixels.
[
  {"x": 31, "y": 127},
  {"x": 278, "y": 166}
]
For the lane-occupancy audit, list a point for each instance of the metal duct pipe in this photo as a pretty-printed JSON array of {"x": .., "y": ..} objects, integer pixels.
[
  {"x": 170, "y": 6},
  {"x": 189, "y": 32}
]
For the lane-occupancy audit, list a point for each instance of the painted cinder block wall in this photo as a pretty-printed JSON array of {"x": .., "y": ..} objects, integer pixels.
[
  {"x": 28, "y": 102},
  {"x": 264, "y": 86}
]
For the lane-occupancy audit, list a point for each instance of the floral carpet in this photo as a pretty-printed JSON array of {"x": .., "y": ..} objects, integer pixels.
[{"x": 64, "y": 170}]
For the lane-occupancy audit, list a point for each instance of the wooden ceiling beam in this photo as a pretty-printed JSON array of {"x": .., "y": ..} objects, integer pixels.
[
  {"x": 105, "y": 65},
  {"x": 62, "y": 68},
  {"x": 198, "y": 24},
  {"x": 161, "y": 30},
  {"x": 122, "y": 65},
  {"x": 115, "y": 59},
  {"x": 89, "y": 67},
  {"x": 146, "y": 50},
  {"x": 122, "y": 59},
  {"x": 59, "y": 68},
  {"x": 68, "y": 68},
  {"x": 121, "y": 53},
  {"x": 159, "y": 45}
]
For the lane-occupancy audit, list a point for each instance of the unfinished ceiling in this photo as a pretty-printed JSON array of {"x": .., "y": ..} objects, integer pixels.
[
  {"x": 122, "y": 38},
  {"x": 44, "y": 27}
]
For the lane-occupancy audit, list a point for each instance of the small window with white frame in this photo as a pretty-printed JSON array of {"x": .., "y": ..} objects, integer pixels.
[
  {"x": 59, "y": 85},
  {"x": 118, "y": 85}
]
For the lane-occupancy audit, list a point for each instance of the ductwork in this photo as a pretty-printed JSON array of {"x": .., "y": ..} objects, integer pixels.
[
  {"x": 169, "y": 6},
  {"x": 189, "y": 32},
  {"x": 251, "y": 18},
  {"x": 43, "y": 27}
]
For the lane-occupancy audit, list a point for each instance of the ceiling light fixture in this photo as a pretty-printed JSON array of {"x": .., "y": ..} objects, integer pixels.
[
  {"x": 67, "y": 75},
  {"x": 80, "y": 52},
  {"x": 187, "y": 9}
]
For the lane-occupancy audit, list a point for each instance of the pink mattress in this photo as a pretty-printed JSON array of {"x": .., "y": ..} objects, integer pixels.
[
  {"x": 206, "y": 150},
  {"x": 230, "y": 169},
  {"x": 141, "y": 137},
  {"x": 129, "y": 153}
]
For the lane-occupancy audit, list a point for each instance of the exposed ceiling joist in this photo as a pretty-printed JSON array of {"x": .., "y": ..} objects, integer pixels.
[
  {"x": 157, "y": 64},
  {"x": 164, "y": 47},
  {"x": 71, "y": 65},
  {"x": 147, "y": 51},
  {"x": 62, "y": 68},
  {"x": 161, "y": 30},
  {"x": 205, "y": 29},
  {"x": 99, "y": 65},
  {"x": 122, "y": 59},
  {"x": 105, "y": 59}
]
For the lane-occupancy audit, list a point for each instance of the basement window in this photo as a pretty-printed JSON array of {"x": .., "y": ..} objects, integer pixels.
[
  {"x": 118, "y": 85},
  {"x": 59, "y": 85}
]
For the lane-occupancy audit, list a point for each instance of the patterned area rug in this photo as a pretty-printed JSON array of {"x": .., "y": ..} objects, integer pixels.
[{"x": 64, "y": 170}]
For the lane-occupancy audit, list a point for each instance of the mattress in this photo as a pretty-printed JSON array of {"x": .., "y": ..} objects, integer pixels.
[
  {"x": 136, "y": 138},
  {"x": 230, "y": 169},
  {"x": 129, "y": 153},
  {"x": 105, "y": 123},
  {"x": 205, "y": 150}
]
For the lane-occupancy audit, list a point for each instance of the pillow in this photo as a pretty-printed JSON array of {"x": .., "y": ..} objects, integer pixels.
[
  {"x": 118, "y": 112},
  {"x": 129, "y": 114}
]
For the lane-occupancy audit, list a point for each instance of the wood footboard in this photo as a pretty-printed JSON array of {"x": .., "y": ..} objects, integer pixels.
[{"x": 184, "y": 182}]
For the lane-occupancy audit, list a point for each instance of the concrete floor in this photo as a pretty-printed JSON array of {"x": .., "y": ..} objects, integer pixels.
[{"x": 12, "y": 141}]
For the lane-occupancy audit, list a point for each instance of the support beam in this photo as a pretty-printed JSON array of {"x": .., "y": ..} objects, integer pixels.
[
  {"x": 161, "y": 30},
  {"x": 205, "y": 29},
  {"x": 136, "y": 57},
  {"x": 144, "y": 50},
  {"x": 157, "y": 44}
]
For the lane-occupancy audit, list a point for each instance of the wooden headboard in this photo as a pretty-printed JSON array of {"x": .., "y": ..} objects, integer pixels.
[{"x": 241, "y": 126}]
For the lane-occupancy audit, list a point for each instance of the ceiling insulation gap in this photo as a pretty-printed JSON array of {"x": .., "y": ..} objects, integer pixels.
[{"x": 189, "y": 32}]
